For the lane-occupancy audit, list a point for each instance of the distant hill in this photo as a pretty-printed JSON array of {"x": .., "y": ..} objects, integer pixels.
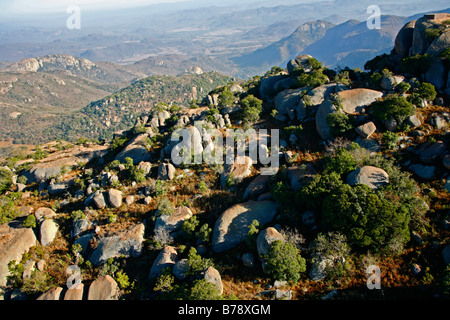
[
  {"x": 119, "y": 111},
  {"x": 37, "y": 92},
  {"x": 102, "y": 72},
  {"x": 352, "y": 43},
  {"x": 33, "y": 101},
  {"x": 284, "y": 49}
]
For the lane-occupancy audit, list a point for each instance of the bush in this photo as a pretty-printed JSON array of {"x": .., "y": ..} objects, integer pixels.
[
  {"x": 333, "y": 247},
  {"x": 341, "y": 124},
  {"x": 196, "y": 264},
  {"x": 389, "y": 140},
  {"x": 203, "y": 290},
  {"x": 226, "y": 98},
  {"x": 284, "y": 261},
  {"x": 342, "y": 163},
  {"x": 251, "y": 108},
  {"x": 427, "y": 91},
  {"x": 5, "y": 180},
  {"x": 165, "y": 206},
  {"x": 313, "y": 79},
  {"x": 416, "y": 65},
  {"x": 30, "y": 221},
  {"x": 368, "y": 220},
  {"x": 392, "y": 107}
]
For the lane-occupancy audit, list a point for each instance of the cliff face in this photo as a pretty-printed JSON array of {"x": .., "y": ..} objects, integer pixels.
[
  {"x": 428, "y": 35},
  {"x": 51, "y": 62}
]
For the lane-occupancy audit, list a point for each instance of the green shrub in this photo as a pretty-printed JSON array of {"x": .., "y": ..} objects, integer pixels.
[
  {"x": 342, "y": 163},
  {"x": 165, "y": 206},
  {"x": 5, "y": 180},
  {"x": 284, "y": 261},
  {"x": 432, "y": 34},
  {"x": 196, "y": 264},
  {"x": 30, "y": 221},
  {"x": 341, "y": 124},
  {"x": 427, "y": 91},
  {"x": 251, "y": 109},
  {"x": 252, "y": 234},
  {"x": 312, "y": 79},
  {"x": 332, "y": 246},
  {"x": 226, "y": 97},
  {"x": 203, "y": 290},
  {"x": 416, "y": 65},
  {"x": 389, "y": 140},
  {"x": 368, "y": 220},
  {"x": 392, "y": 107},
  {"x": 8, "y": 209}
]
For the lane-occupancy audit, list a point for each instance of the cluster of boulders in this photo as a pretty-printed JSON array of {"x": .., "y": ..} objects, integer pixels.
[{"x": 413, "y": 39}]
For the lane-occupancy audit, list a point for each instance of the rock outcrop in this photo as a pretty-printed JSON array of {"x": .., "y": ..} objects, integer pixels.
[
  {"x": 232, "y": 226},
  {"x": 370, "y": 176},
  {"x": 14, "y": 242},
  {"x": 127, "y": 243}
]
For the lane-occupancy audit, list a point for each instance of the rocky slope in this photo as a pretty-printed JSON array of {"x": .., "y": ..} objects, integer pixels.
[{"x": 363, "y": 181}]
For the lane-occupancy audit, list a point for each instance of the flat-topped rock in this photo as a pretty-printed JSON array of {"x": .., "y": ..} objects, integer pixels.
[
  {"x": 355, "y": 100},
  {"x": 232, "y": 226},
  {"x": 128, "y": 243},
  {"x": 173, "y": 222}
]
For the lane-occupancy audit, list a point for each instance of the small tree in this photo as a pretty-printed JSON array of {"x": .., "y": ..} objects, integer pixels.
[
  {"x": 284, "y": 261},
  {"x": 393, "y": 107},
  {"x": 251, "y": 108},
  {"x": 204, "y": 290},
  {"x": 427, "y": 91}
]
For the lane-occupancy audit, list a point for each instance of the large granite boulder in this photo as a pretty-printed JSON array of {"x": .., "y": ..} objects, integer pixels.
[
  {"x": 114, "y": 198},
  {"x": 439, "y": 44},
  {"x": 404, "y": 39},
  {"x": 299, "y": 175},
  {"x": 265, "y": 239},
  {"x": 135, "y": 150},
  {"x": 51, "y": 294},
  {"x": 370, "y": 176},
  {"x": 103, "y": 288},
  {"x": 211, "y": 275},
  {"x": 127, "y": 243},
  {"x": 323, "y": 128},
  {"x": 173, "y": 222},
  {"x": 355, "y": 100},
  {"x": 267, "y": 86},
  {"x": 286, "y": 102},
  {"x": 232, "y": 226},
  {"x": 52, "y": 165},
  {"x": 256, "y": 187},
  {"x": 240, "y": 169},
  {"x": 165, "y": 259},
  {"x": 14, "y": 242},
  {"x": 48, "y": 231}
]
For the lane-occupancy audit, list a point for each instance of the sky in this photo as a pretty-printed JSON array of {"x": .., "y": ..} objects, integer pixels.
[{"x": 52, "y": 6}]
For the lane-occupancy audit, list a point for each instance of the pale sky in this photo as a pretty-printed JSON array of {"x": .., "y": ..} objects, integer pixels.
[{"x": 41, "y": 6}]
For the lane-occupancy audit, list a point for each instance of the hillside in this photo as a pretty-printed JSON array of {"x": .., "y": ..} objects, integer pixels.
[
  {"x": 116, "y": 112},
  {"x": 353, "y": 204},
  {"x": 351, "y": 43},
  {"x": 102, "y": 72},
  {"x": 281, "y": 51},
  {"x": 32, "y": 102}
]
